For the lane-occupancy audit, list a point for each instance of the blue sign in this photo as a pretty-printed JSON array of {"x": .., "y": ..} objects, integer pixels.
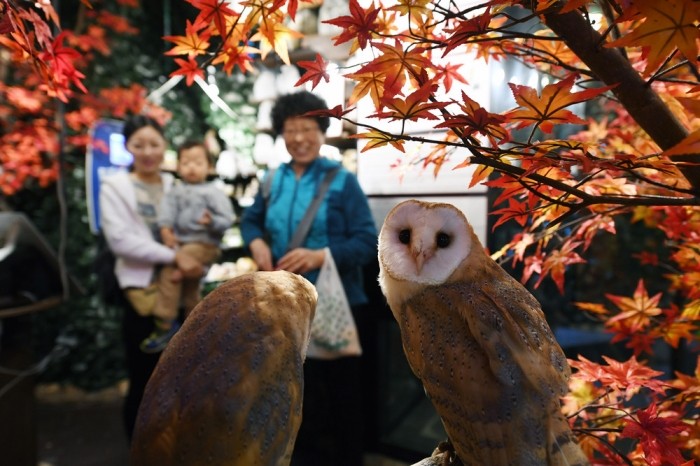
[{"x": 106, "y": 154}]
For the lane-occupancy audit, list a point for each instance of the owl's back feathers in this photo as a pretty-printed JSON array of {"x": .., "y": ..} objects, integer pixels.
[{"x": 228, "y": 388}]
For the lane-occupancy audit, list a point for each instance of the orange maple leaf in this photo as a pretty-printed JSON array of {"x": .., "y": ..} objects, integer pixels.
[
  {"x": 377, "y": 138},
  {"x": 398, "y": 62},
  {"x": 236, "y": 55},
  {"x": 689, "y": 145},
  {"x": 678, "y": 330},
  {"x": 636, "y": 311},
  {"x": 476, "y": 119},
  {"x": 275, "y": 36},
  {"x": 413, "y": 7},
  {"x": 550, "y": 108},
  {"x": 686, "y": 382},
  {"x": 668, "y": 25},
  {"x": 627, "y": 377},
  {"x": 593, "y": 308},
  {"x": 370, "y": 82},
  {"x": 558, "y": 261},
  {"x": 413, "y": 107},
  {"x": 480, "y": 174},
  {"x": 192, "y": 43},
  {"x": 188, "y": 68},
  {"x": 316, "y": 70}
]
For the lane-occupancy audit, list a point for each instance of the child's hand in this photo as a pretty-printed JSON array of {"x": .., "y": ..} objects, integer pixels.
[
  {"x": 168, "y": 237},
  {"x": 205, "y": 219}
]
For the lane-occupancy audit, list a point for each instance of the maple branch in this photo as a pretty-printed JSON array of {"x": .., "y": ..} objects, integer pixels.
[
  {"x": 518, "y": 173},
  {"x": 606, "y": 442},
  {"x": 611, "y": 67}
]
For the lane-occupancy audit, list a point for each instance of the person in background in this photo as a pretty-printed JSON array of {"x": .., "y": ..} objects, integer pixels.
[
  {"x": 331, "y": 431},
  {"x": 129, "y": 204},
  {"x": 193, "y": 216}
]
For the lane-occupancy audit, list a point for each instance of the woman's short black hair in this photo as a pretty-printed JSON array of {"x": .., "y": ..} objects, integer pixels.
[
  {"x": 297, "y": 104},
  {"x": 134, "y": 123}
]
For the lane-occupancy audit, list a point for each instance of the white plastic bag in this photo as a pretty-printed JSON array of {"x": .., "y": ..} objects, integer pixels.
[{"x": 333, "y": 330}]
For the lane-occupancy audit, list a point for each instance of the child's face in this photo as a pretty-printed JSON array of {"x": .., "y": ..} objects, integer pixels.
[{"x": 193, "y": 165}]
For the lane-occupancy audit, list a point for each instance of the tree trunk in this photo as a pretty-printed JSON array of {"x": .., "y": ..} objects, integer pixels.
[{"x": 642, "y": 103}]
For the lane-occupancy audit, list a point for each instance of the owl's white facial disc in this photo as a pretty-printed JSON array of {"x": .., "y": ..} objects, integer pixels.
[{"x": 424, "y": 242}]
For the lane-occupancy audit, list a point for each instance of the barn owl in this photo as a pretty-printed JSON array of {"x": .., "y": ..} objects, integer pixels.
[
  {"x": 228, "y": 389},
  {"x": 477, "y": 339}
]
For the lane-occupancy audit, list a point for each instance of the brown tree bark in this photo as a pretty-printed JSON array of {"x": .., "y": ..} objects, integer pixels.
[{"x": 640, "y": 100}]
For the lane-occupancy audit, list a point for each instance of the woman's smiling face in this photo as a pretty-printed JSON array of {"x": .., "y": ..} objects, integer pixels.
[
  {"x": 147, "y": 146},
  {"x": 303, "y": 138}
]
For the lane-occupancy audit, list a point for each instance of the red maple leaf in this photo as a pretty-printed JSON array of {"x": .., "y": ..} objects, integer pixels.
[
  {"x": 448, "y": 73},
  {"x": 508, "y": 185},
  {"x": 516, "y": 210},
  {"x": 6, "y": 25},
  {"x": 39, "y": 26},
  {"x": 61, "y": 60},
  {"x": 653, "y": 433},
  {"x": 335, "y": 112},
  {"x": 316, "y": 70},
  {"x": 188, "y": 68},
  {"x": 532, "y": 264},
  {"x": 359, "y": 25},
  {"x": 467, "y": 30},
  {"x": 213, "y": 11}
]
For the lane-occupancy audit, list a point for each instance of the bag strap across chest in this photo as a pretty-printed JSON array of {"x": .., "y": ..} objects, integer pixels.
[{"x": 305, "y": 223}]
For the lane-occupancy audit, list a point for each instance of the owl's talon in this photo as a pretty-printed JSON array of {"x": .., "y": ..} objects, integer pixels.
[{"x": 449, "y": 455}]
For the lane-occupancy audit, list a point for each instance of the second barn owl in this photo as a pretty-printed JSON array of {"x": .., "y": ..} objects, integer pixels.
[
  {"x": 477, "y": 339},
  {"x": 228, "y": 389}
]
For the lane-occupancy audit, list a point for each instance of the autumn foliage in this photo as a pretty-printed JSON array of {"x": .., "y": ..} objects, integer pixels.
[
  {"x": 42, "y": 91},
  {"x": 632, "y": 63}
]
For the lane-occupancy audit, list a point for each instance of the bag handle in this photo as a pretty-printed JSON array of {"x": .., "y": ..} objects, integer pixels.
[{"x": 305, "y": 224}]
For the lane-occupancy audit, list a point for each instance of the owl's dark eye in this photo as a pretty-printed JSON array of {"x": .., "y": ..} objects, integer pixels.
[
  {"x": 442, "y": 239},
  {"x": 405, "y": 236}
]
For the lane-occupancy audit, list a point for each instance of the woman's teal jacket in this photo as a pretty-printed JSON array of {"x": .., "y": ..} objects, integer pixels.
[{"x": 343, "y": 223}]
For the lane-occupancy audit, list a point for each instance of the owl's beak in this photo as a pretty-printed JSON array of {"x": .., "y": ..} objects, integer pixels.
[{"x": 420, "y": 255}]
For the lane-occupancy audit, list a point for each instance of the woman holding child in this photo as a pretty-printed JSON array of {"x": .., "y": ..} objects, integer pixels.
[{"x": 129, "y": 205}]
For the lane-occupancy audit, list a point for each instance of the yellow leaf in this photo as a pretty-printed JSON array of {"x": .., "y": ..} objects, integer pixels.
[
  {"x": 668, "y": 25},
  {"x": 275, "y": 36},
  {"x": 692, "y": 310}
]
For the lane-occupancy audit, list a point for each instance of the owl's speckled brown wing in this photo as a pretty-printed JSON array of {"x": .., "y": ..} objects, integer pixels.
[
  {"x": 491, "y": 367},
  {"x": 228, "y": 388}
]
